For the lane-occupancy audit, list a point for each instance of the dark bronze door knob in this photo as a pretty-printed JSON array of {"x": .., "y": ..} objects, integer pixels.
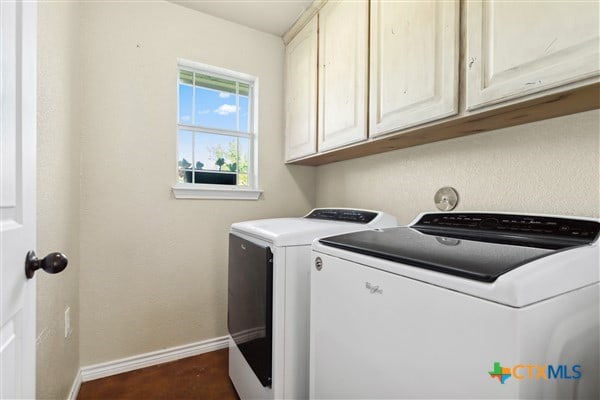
[{"x": 53, "y": 263}]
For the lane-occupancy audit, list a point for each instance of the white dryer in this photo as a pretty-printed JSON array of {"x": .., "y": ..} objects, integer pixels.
[
  {"x": 268, "y": 298},
  {"x": 458, "y": 305}
]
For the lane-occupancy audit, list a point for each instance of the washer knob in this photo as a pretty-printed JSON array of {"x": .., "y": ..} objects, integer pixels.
[{"x": 446, "y": 199}]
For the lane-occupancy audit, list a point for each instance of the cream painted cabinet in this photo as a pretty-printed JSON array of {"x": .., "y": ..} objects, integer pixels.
[
  {"x": 301, "y": 93},
  {"x": 519, "y": 48},
  {"x": 343, "y": 73},
  {"x": 414, "y": 63}
]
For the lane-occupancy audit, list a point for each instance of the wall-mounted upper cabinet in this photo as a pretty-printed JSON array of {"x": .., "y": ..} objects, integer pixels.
[
  {"x": 414, "y": 63},
  {"x": 301, "y": 93},
  {"x": 518, "y": 61},
  {"x": 520, "y": 48},
  {"x": 343, "y": 73}
]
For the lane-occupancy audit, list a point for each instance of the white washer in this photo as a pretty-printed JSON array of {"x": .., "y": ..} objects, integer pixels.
[
  {"x": 438, "y": 309},
  {"x": 269, "y": 270}
]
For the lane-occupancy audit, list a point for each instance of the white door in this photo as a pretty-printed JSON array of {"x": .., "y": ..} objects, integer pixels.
[
  {"x": 301, "y": 93},
  {"x": 414, "y": 63},
  {"x": 17, "y": 197},
  {"x": 343, "y": 73},
  {"x": 516, "y": 48}
]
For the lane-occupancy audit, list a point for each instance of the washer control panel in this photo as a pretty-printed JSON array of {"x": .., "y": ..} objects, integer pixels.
[{"x": 513, "y": 224}]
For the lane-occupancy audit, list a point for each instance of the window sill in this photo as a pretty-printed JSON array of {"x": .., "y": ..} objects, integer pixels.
[{"x": 214, "y": 192}]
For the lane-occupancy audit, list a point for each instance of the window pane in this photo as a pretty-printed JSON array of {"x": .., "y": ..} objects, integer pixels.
[
  {"x": 218, "y": 157},
  {"x": 244, "y": 154},
  {"x": 243, "y": 160},
  {"x": 244, "y": 89},
  {"x": 243, "y": 114},
  {"x": 215, "y": 109},
  {"x": 243, "y": 180},
  {"x": 185, "y": 158},
  {"x": 217, "y": 84},
  {"x": 216, "y": 152},
  {"x": 185, "y": 104},
  {"x": 186, "y": 77}
]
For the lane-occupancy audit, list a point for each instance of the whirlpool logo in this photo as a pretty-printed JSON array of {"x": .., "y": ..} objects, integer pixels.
[{"x": 535, "y": 371}]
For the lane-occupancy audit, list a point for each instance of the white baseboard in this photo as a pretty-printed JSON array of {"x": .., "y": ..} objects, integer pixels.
[
  {"x": 109, "y": 368},
  {"x": 75, "y": 387}
]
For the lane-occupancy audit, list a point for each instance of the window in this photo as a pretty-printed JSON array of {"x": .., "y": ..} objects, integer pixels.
[{"x": 216, "y": 133}]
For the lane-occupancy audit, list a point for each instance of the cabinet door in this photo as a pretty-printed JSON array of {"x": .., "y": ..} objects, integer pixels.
[
  {"x": 343, "y": 73},
  {"x": 414, "y": 63},
  {"x": 301, "y": 93},
  {"x": 518, "y": 48}
]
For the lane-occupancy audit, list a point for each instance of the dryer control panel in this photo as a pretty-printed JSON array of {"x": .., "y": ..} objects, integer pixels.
[{"x": 343, "y": 214}]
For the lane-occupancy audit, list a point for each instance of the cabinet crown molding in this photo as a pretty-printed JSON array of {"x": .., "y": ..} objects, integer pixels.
[{"x": 302, "y": 20}]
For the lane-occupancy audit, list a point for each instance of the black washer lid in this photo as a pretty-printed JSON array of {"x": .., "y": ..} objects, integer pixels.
[{"x": 478, "y": 260}]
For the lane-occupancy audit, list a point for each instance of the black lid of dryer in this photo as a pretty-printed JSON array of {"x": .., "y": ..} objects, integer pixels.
[{"x": 473, "y": 246}]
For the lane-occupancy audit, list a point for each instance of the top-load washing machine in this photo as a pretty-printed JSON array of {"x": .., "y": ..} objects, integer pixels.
[
  {"x": 268, "y": 298},
  {"x": 458, "y": 305}
]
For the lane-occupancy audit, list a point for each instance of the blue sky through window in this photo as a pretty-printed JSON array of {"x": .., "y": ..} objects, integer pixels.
[
  {"x": 207, "y": 107},
  {"x": 213, "y": 109}
]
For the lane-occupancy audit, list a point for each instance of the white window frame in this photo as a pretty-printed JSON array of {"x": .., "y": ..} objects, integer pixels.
[{"x": 221, "y": 192}]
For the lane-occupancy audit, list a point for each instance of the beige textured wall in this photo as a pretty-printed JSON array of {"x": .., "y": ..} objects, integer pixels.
[
  {"x": 154, "y": 269},
  {"x": 57, "y": 196},
  {"x": 549, "y": 166}
]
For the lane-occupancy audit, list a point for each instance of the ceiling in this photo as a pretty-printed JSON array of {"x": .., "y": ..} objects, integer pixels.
[{"x": 271, "y": 16}]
